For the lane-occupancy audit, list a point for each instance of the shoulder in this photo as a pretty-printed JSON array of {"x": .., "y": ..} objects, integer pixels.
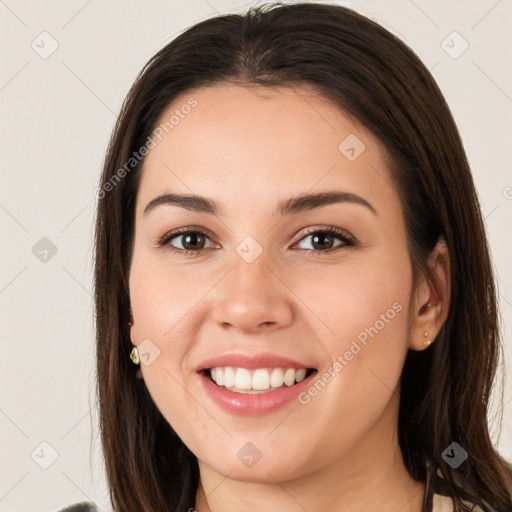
[
  {"x": 443, "y": 502},
  {"x": 84, "y": 506}
]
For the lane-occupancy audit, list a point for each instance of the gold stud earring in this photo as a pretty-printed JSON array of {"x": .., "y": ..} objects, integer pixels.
[
  {"x": 134, "y": 355},
  {"x": 427, "y": 343}
]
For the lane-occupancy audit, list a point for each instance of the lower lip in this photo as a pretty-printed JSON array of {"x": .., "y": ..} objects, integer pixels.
[{"x": 244, "y": 404}]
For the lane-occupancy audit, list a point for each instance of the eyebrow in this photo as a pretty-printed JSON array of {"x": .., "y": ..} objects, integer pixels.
[{"x": 292, "y": 205}]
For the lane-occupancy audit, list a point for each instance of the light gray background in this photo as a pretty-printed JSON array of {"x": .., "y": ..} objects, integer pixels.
[{"x": 57, "y": 115}]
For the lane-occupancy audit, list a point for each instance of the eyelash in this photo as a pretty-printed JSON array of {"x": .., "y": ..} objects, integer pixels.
[{"x": 348, "y": 240}]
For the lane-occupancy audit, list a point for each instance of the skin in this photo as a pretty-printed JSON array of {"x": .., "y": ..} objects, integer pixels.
[{"x": 248, "y": 149}]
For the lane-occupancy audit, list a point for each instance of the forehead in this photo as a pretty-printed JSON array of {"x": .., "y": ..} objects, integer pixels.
[
  {"x": 251, "y": 143},
  {"x": 278, "y": 116}
]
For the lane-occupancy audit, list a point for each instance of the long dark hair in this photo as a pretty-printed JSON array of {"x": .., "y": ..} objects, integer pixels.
[{"x": 369, "y": 73}]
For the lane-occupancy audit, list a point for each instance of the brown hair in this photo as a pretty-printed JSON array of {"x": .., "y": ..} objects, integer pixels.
[{"x": 369, "y": 73}]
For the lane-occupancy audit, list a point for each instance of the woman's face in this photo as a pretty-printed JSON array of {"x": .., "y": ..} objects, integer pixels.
[{"x": 264, "y": 293}]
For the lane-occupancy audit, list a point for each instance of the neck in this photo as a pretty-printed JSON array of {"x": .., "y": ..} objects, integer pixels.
[{"x": 370, "y": 478}]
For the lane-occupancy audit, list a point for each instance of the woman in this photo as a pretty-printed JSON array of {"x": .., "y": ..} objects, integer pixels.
[{"x": 290, "y": 248}]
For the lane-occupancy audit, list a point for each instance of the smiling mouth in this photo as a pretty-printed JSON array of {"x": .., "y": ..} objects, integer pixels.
[{"x": 256, "y": 381}]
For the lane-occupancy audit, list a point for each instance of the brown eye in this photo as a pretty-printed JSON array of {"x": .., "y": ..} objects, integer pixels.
[
  {"x": 323, "y": 240},
  {"x": 191, "y": 241}
]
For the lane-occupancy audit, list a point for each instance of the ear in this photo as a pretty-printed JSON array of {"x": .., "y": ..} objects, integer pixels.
[{"x": 431, "y": 302}]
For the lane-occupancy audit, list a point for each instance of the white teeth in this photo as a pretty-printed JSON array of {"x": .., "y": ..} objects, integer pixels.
[
  {"x": 300, "y": 375},
  {"x": 289, "y": 377},
  {"x": 261, "y": 379},
  {"x": 277, "y": 378},
  {"x": 219, "y": 376},
  {"x": 229, "y": 377},
  {"x": 243, "y": 379}
]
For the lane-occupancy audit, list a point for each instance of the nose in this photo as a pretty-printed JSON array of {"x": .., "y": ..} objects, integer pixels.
[{"x": 253, "y": 297}]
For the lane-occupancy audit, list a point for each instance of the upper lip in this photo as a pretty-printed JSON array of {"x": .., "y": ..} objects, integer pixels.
[{"x": 261, "y": 360}]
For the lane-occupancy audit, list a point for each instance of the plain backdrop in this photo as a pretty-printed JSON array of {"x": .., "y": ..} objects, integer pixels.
[{"x": 65, "y": 68}]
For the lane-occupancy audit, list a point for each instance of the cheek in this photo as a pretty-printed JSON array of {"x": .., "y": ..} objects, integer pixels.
[
  {"x": 163, "y": 298},
  {"x": 364, "y": 312},
  {"x": 167, "y": 310},
  {"x": 364, "y": 298}
]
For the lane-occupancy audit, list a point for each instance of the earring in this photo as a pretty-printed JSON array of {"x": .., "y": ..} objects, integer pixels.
[
  {"x": 427, "y": 343},
  {"x": 134, "y": 355}
]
